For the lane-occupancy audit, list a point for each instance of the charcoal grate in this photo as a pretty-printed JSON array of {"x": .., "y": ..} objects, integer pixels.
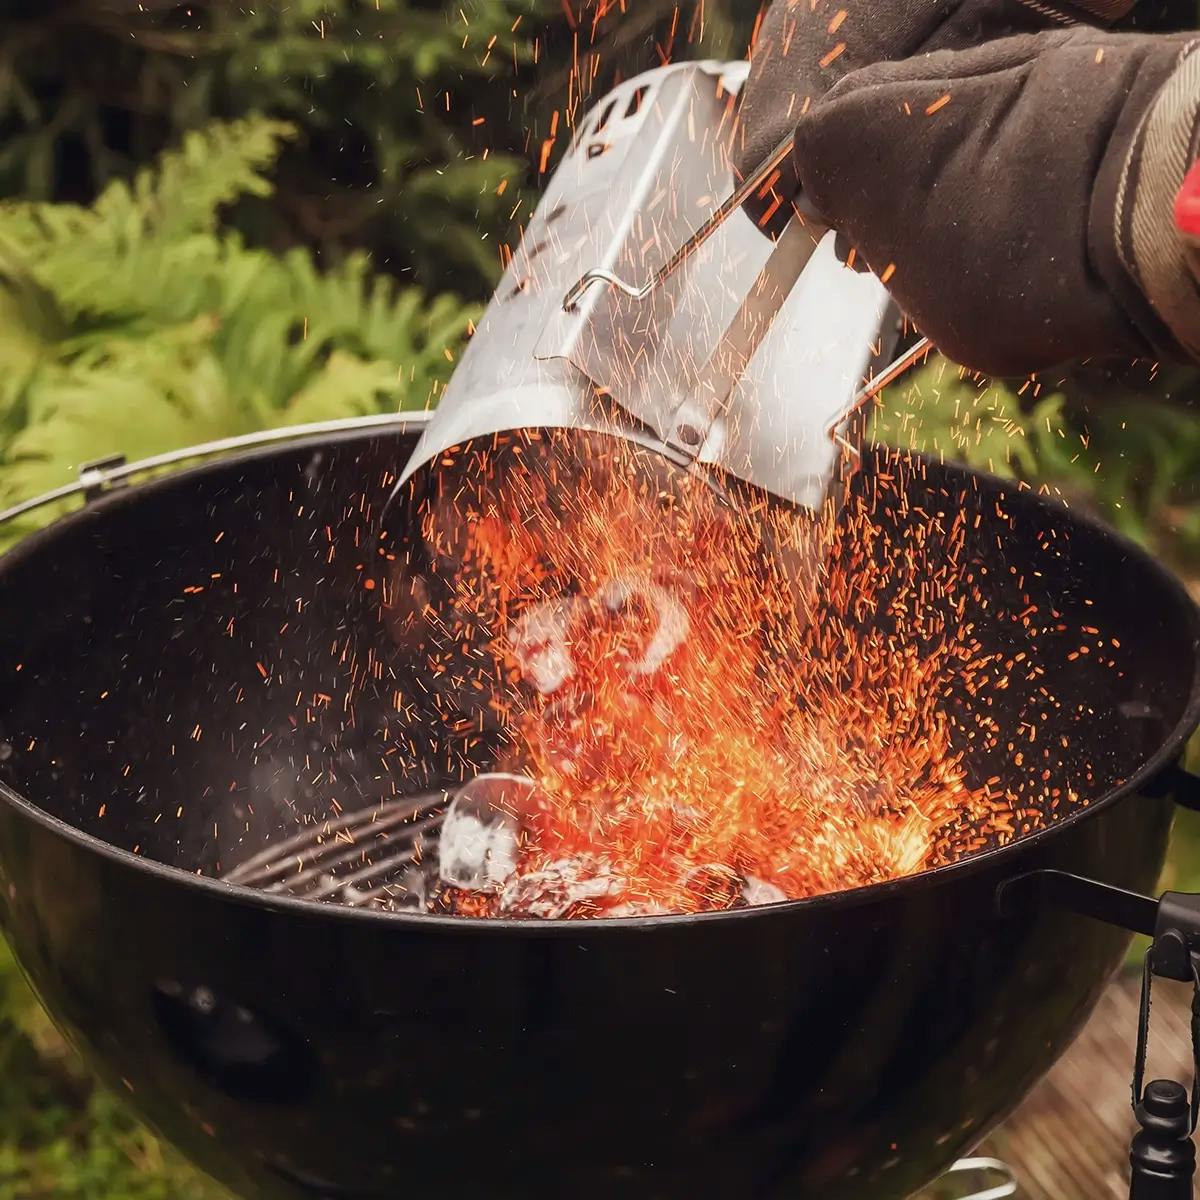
[{"x": 376, "y": 857}]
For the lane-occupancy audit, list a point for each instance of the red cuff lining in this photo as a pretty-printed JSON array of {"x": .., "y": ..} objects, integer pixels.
[{"x": 1187, "y": 205}]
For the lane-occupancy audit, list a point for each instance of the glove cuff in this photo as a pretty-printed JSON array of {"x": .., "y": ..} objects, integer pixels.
[
  {"x": 1104, "y": 11},
  {"x": 1135, "y": 217}
]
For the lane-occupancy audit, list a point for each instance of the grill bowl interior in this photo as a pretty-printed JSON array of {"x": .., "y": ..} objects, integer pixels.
[{"x": 198, "y": 677}]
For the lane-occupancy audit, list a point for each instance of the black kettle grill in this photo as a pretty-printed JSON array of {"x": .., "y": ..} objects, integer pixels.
[{"x": 178, "y": 666}]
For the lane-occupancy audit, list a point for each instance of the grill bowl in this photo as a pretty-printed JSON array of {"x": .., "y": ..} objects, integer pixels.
[{"x": 172, "y": 705}]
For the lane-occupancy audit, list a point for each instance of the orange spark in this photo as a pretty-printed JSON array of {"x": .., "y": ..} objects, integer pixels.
[{"x": 833, "y": 54}]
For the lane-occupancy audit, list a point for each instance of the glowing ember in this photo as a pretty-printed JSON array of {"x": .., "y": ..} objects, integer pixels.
[{"x": 710, "y": 719}]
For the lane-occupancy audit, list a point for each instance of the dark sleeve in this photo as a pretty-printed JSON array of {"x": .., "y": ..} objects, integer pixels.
[{"x": 1145, "y": 201}]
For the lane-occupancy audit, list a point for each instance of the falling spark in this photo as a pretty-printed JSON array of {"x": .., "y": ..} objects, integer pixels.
[{"x": 833, "y": 54}]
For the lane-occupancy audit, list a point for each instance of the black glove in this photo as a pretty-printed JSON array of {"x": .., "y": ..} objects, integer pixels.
[
  {"x": 1016, "y": 196},
  {"x": 804, "y": 47}
]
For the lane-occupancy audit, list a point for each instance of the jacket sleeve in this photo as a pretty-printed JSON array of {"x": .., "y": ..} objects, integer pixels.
[{"x": 1156, "y": 209}]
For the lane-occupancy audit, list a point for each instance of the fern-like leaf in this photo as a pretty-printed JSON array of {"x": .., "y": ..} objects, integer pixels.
[{"x": 138, "y": 325}]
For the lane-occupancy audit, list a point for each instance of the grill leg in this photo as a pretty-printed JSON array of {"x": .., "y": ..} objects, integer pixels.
[{"x": 1163, "y": 1155}]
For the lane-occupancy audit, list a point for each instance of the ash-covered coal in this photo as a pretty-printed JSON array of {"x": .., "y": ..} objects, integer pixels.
[
  {"x": 570, "y": 887},
  {"x": 480, "y": 844}
]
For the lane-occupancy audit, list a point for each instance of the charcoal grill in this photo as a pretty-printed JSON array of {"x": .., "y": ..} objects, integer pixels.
[{"x": 177, "y": 660}]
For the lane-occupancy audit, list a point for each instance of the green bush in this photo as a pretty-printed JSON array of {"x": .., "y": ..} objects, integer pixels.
[
  {"x": 417, "y": 121},
  {"x": 1126, "y": 448},
  {"x": 139, "y": 324},
  {"x": 383, "y": 94}
]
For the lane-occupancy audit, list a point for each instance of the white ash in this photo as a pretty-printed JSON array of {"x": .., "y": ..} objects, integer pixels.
[
  {"x": 541, "y": 638},
  {"x": 636, "y": 908},
  {"x": 411, "y": 890},
  {"x": 553, "y": 891},
  {"x": 540, "y": 644},
  {"x": 673, "y": 621},
  {"x": 480, "y": 843},
  {"x": 761, "y": 891}
]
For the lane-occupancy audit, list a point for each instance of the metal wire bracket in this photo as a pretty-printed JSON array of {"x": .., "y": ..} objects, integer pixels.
[
  {"x": 1143, "y": 1037},
  {"x": 759, "y": 179},
  {"x": 99, "y": 476},
  {"x": 918, "y": 352},
  {"x": 1162, "y": 1155},
  {"x": 1000, "y": 1182}
]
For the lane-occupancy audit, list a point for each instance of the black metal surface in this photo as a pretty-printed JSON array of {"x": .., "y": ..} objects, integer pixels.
[
  {"x": 1025, "y": 894},
  {"x": 1162, "y": 1158},
  {"x": 850, "y": 1046}
]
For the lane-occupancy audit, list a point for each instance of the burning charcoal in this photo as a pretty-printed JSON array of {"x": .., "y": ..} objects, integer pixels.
[
  {"x": 760, "y": 891},
  {"x": 713, "y": 887},
  {"x": 457, "y": 902},
  {"x": 481, "y": 832},
  {"x": 870, "y": 796},
  {"x": 618, "y": 595},
  {"x": 540, "y": 644},
  {"x": 572, "y": 887}
]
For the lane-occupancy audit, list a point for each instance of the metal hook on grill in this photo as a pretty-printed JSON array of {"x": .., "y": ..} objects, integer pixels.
[
  {"x": 920, "y": 350},
  {"x": 1005, "y": 1184}
]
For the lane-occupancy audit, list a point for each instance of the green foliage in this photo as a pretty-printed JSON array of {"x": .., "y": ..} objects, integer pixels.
[
  {"x": 1129, "y": 450},
  {"x": 138, "y": 325},
  {"x": 384, "y": 95},
  {"x": 410, "y": 114}
]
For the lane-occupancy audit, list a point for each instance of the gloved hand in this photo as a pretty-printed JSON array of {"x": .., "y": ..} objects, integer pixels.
[
  {"x": 803, "y": 49},
  {"x": 1016, "y": 196}
]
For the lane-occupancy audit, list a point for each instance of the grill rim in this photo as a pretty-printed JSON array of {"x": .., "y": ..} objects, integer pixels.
[{"x": 1161, "y": 767}]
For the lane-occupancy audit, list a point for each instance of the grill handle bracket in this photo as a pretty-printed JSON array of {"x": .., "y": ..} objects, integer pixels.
[
  {"x": 1172, "y": 921},
  {"x": 1162, "y": 1156},
  {"x": 1026, "y": 894}
]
